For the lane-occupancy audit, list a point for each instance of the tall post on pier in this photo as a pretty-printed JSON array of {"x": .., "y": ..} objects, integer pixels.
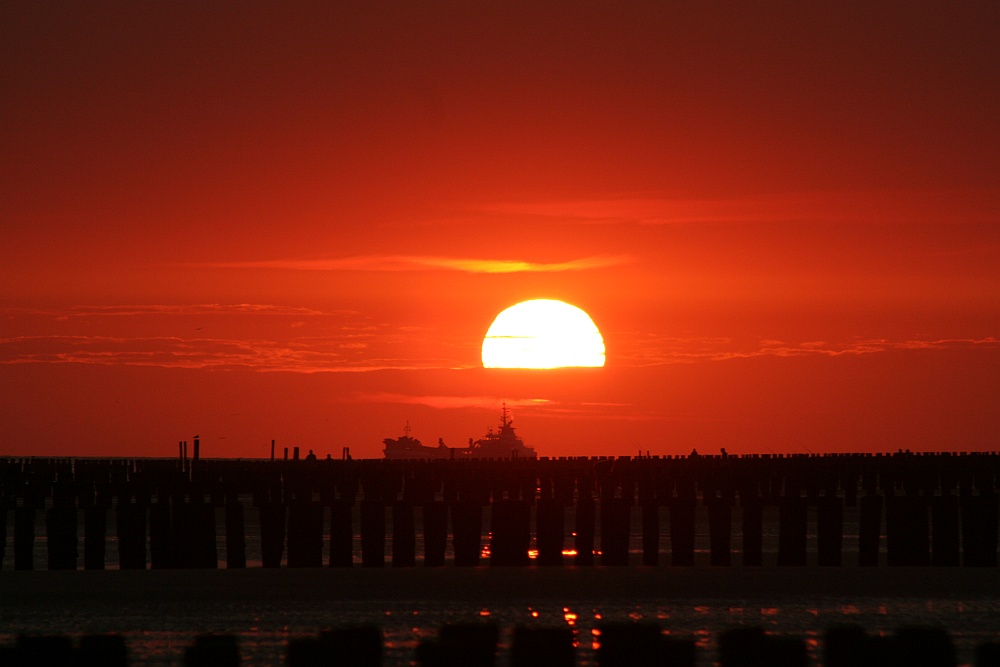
[
  {"x": 372, "y": 533},
  {"x": 341, "y": 533},
  {"x": 466, "y": 529},
  {"x": 752, "y": 526},
  {"x": 682, "y": 531},
  {"x": 236, "y": 541},
  {"x": 24, "y": 538},
  {"x": 435, "y": 520},
  {"x": 792, "y": 525},
  {"x": 404, "y": 534},
  {"x": 829, "y": 530},
  {"x": 549, "y": 519},
  {"x": 584, "y": 529},
  {"x": 197, "y": 448},
  {"x": 720, "y": 530},
  {"x": 615, "y": 530},
  {"x": 869, "y": 529}
]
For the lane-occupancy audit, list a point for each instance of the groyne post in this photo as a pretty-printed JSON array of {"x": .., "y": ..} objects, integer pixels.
[
  {"x": 720, "y": 531},
  {"x": 510, "y": 528},
  {"x": 372, "y": 533},
  {"x": 583, "y": 526},
  {"x": 682, "y": 526},
  {"x": 305, "y": 534},
  {"x": 650, "y": 531},
  {"x": 341, "y": 533},
  {"x": 869, "y": 529},
  {"x": 542, "y": 647},
  {"x": 24, "y": 538},
  {"x": 61, "y": 540},
  {"x": 752, "y": 526},
  {"x": 615, "y": 530},
  {"x": 236, "y": 541},
  {"x": 945, "y": 538},
  {"x": 272, "y": 533},
  {"x": 549, "y": 519},
  {"x": 907, "y": 531},
  {"x": 979, "y": 530},
  {"x": 792, "y": 526},
  {"x": 466, "y": 528},
  {"x": 829, "y": 530},
  {"x": 131, "y": 531},
  {"x": 95, "y": 522},
  {"x": 404, "y": 534},
  {"x": 435, "y": 520}
]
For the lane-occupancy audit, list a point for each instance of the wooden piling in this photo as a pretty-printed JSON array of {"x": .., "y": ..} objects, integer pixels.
[
  {"x": 236, "y": 541},
  {"x": 869, "y": 529},
  {"x": 907, "y": 531},
  {"x": 162, "y": 550},
  {"x": 131, "y": 532},
  {"x": 682, "y": 526},
  {"x": 435, "y": 520},
  {"x": 24, "y": 538},
  {"x": 549, "y": 519},
  {"x": 829, "y": 530},
  {"x": 650, "y": 532},
  {"x": 945, "y": 538},
  {"x": 752, "y": 526},
  {"x": 466, "y": 528},
  {"x": 341, "y": 533},
  {"x": 720, "y": 531},
  {"x": 404, "y": 535},
  {"x": 272, "y": 533},
  {"x": 372, "y": 533},
  {"x": 615, "y": 530},
  {"x": 61, "y": 539},
  {"x": 542, "y": 647},
  {"x": 510, "y": 532},
  {"x": 792, "y": 526},
  {"x": 583, "y": 526},
  {"x": 979, "y": 530},
  {"x": 305, "y": 534},
  {"x": 95, "y": 522}
]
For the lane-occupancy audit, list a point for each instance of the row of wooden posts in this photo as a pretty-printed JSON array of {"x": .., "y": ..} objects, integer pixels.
[
  {"x": 919, "y": 530},
  {"x": 475, "y": 645}
]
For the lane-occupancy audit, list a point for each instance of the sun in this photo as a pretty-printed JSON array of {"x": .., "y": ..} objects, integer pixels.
[{"x": 543, "y": 333}]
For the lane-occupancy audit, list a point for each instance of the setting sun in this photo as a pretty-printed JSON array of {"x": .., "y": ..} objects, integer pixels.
[{"x": 543, "y": 333}]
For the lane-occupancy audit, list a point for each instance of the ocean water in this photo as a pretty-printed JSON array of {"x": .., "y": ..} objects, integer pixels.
[{"x": 158, "y": 630}]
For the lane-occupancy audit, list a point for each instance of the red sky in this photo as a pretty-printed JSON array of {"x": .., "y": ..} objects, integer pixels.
[{"x": 297, "y": 222}]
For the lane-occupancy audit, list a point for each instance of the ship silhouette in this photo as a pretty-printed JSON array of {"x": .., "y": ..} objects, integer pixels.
[{"x": 502, "y": 443}]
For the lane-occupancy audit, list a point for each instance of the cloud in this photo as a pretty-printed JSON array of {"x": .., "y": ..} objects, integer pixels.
[
  {"x": 657, "y": 351},
  {"x": 874, "y": 206},
  {"x": 392, "y": 263},
  {"x": 450, "y": 402}
]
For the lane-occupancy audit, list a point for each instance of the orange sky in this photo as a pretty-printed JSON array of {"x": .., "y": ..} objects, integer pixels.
[{"x": 298, "y": 223}]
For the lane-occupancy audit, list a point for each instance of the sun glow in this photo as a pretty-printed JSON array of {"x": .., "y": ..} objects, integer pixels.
[{"x": 543, "y": 333}]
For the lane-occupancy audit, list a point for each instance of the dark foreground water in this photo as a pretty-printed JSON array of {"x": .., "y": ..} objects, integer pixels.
[{"x": 160, "y": 613}]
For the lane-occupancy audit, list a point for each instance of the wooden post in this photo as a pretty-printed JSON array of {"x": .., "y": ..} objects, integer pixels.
[
  {"x": 979, "y": 530},
  {"x": 651, "y": 532},
  {"x": 372, "y": 533},
  {"x": 162, "y": 550},
  {"x": 341, "y": 533},
  {"x": 682, "y": 531},
  {"x": 753, "y": 531},
  {"x": 542, "y": 647},
  {"x": 435, "y": 519},
  {"x": 792, "y": 524},
  {"x": 945, "y": 539},
  {"x": 272, "y": 533},
  {"x": 829, "y": 530},
  {"x": 907, "y": 531},
  {"x": 466, "y": 528},
  {"x": 549, "y": 519},
  {"x": 615, "y": 530},
  {"x": 61, "y": 540},
  {"x": 131, "y": 530},
  {"x": 24, "y": 538},
  {"x": 869, "y": 530},
  {"x": 584, "y": 529},
  {"x": 236, "y": 541},
  {"x": 720, "y": 522},
  {"x": 510, "y": 527},
  {"x": 305, "y": 534},
  {"x": 404, "y": 535},
  {"x": 95, "y": 525}
]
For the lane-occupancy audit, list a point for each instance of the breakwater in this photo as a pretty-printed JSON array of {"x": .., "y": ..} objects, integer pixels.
[{"x": 836, "y": 510}]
